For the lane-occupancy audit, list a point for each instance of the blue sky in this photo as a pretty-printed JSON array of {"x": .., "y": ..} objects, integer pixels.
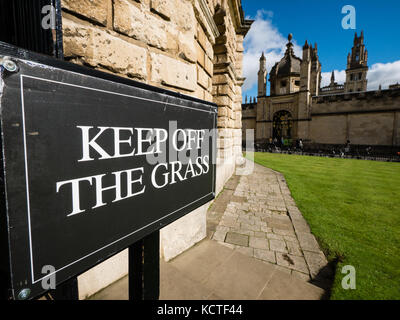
[{"x": 321, "y": 22}]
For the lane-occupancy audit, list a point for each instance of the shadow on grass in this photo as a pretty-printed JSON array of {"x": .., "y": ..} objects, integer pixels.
[{"x": 326, "y": 277}]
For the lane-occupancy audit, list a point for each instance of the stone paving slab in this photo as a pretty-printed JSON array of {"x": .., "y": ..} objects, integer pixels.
[
  {"x": 282, "y": 287},
  {"x": 266, "y": 224},
  {"x": 237, "y": 239},
  {"x": 211, "y": 271},
  {"x": 262, "y": 248}
]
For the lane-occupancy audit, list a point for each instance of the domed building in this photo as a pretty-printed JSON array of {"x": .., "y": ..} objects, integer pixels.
[
  {"x": 298, "y": 108},
  {"x": 285, "y": 74},
  {"x": 285, "y": 111}
]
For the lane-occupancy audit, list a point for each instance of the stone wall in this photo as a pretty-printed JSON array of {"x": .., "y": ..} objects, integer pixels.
[
  {"x": 248, "y": 119},
  {"x": 367, "y": 118},
  {"x": 194, "y": 47}
]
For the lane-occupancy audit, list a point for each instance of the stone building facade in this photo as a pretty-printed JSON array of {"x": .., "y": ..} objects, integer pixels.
[
  {"x": 298, "y": 108},
  {"x": 194, "y": 47}
]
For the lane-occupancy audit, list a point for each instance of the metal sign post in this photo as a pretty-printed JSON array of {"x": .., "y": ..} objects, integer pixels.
[{"x": 144, "y": 268}]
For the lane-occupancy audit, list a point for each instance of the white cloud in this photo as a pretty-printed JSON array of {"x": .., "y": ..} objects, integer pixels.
[
  {"x": 263, "y": 37},
  {"x": 384, "y": 74},
  {"x": 379, "y": 74}
]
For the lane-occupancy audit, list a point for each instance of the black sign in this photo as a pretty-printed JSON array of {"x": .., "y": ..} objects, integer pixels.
[{"x": 93, "y": 163}]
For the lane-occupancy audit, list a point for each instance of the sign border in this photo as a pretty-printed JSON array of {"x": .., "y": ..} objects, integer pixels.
[
  {"x": 32, "y": 59},
  {"x": 22, "y": 76}
]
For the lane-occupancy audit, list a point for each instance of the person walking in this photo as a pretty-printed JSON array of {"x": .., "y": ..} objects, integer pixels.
[
  {"x": 347, "y": 147},
  {"x": 301, "y": 145}
]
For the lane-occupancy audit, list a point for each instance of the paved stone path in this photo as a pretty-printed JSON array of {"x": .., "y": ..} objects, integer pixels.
[
  {"x": 210, "y": 271},
  {"x": 262, "y": 249},
  {"x": 257, "y": 216}
]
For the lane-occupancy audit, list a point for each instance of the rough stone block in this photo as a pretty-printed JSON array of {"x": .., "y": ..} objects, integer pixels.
[
  {"x": 93, "y": 10},
  {"x": 200, "y": 54},
  {"x": 208, "y": 65},
  {"x": 186, "y": 45},
  {"x": 202, "y": 78},
  {"x": 223, "y": 111},
  {"x": 223, "y": 122},
  {"x": 225, "y": 133},
  {"x": 173, "y": 72},
  {"x": 201, "y": 37},
  {"x": 100, "y": 49},
  {"x": 180, "y": 12},
  {"x": 223, "y": 101},
  {"x": 221, "y": 79},
  {"x": 165, "y": 8},
  {"x": 199, "y": 92},
  {"x": 133, "y": 22},
  {"x": 208, "y": 96}
]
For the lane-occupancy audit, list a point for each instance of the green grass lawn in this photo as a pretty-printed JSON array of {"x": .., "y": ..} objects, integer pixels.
[{"x": 353, "y": 208}]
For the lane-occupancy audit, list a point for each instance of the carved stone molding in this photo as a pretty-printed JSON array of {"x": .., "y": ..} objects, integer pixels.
[{"x": 205, "y": 18}]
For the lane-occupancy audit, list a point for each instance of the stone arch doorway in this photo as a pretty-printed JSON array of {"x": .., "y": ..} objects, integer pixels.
[{"x": 282, "y": 125}]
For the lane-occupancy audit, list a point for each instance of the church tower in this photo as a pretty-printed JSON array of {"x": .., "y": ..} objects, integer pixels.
[
  {"x": 305, "y": 82},
  {"x": 262, "y": 77},
  {"x": 357, "y": 68},
  {"x": 305, "y": 69},
  {"x": 315, "y": 71}
]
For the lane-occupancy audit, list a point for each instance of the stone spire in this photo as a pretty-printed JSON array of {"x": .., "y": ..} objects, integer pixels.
[
  {"x": 306, "y": 52},
  {"x": 357, "y": 66},
  {"x": 289, "y": 46},
  {"x": 262, "y": 77}
]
